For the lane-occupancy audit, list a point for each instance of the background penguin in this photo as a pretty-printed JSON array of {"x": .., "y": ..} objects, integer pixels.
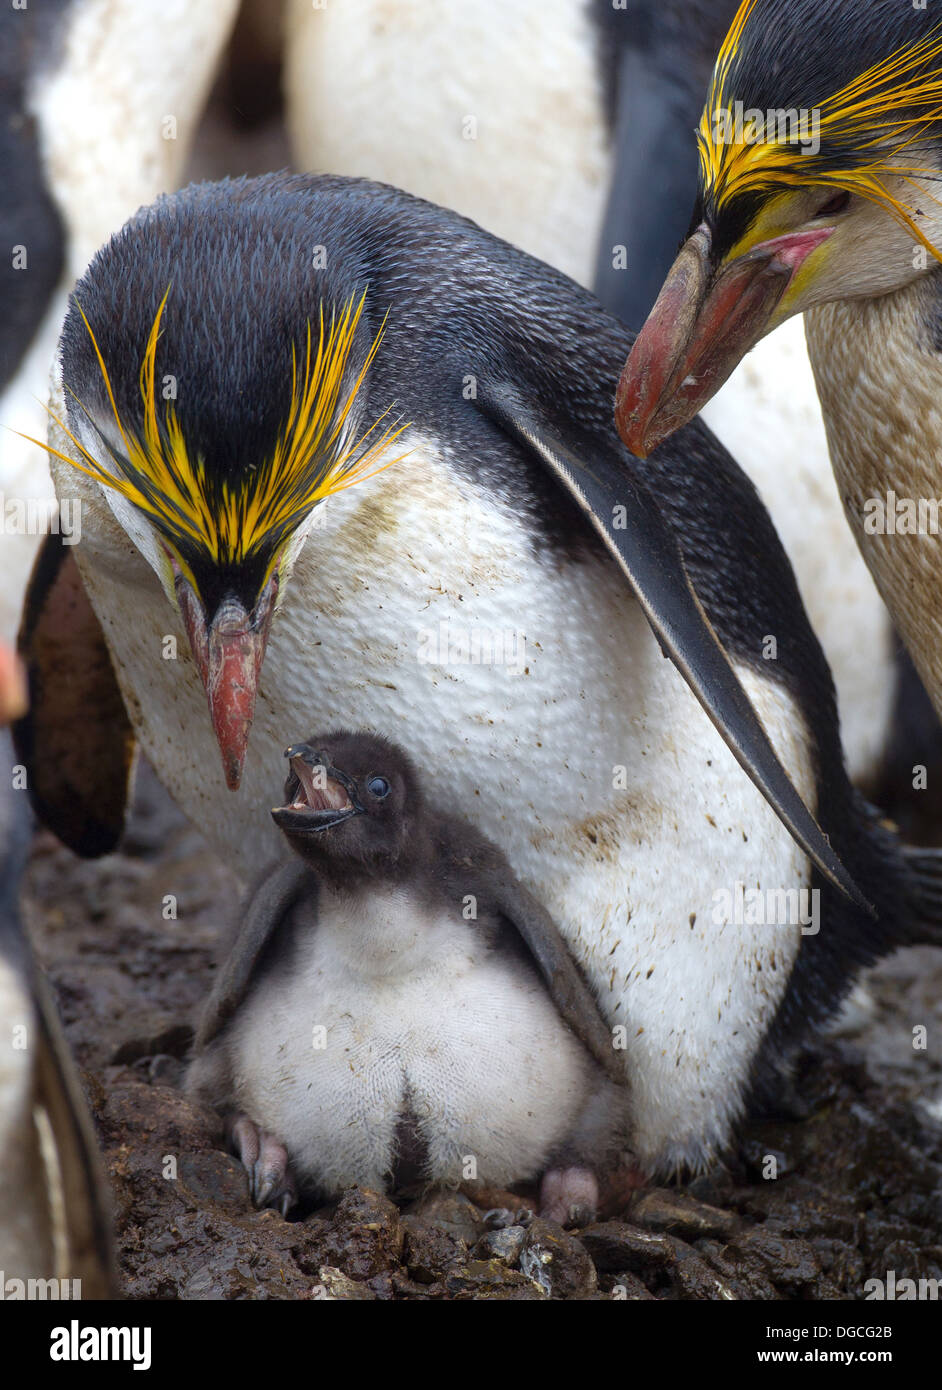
[
  {"x": 657, "y": 56},
  {"x": 99, "y": 103},
  {"x": 54, "y": 1208},
  {"x": 848, "y": 230},
  {"x": 493, "y": 109},
  {"x": 407, "y": 945},
  {"x": 616, "y": 800}
]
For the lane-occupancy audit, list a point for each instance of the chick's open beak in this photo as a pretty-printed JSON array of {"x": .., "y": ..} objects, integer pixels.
[
  {"x": 228, "y": 652},
  {"x": 319, "y": 795},
  {"x": 703, "y": 324}
]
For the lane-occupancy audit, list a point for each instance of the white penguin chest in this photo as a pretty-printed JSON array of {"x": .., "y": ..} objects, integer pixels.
[{"x": 389, "y": 1013}]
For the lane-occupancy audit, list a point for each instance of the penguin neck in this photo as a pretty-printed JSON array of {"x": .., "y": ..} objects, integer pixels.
[
  {"x": 386, "y": 926},
  {"x": 352, "y": 876},
  {"x": 878, "y": 368}
]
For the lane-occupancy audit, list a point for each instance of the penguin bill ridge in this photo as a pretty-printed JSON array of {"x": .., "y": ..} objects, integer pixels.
[
  {"x": 512, "y": 508},
  {"x": 438, "y": 1034}
]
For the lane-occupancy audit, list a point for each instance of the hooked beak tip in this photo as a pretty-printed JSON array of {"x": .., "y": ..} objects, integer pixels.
[
  {"x": 628, "y": 418},
  {"x": 232, "y": 767},
  {"x": 702, "y": 325}
]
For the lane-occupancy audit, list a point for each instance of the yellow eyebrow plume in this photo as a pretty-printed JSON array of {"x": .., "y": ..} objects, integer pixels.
[
  {"x": 865, "y": 129},
  {"x": 312, "y": 458}
]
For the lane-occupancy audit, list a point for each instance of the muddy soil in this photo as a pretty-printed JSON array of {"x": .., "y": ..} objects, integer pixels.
[{"x": 856, "y": 1191}]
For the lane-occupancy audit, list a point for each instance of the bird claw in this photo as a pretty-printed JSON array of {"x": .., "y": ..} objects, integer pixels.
[
  {"x": 498, "y": 1218},
  {"x": 265, "y": 1160}
]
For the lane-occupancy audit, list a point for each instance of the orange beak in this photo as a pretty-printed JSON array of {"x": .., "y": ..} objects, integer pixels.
[
  {"x": 698, "y": 332},
  {"x": 229, "y": 652}
]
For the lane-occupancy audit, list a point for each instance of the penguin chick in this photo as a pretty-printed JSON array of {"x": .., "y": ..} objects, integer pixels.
[{"x": 397, "y": 1011}]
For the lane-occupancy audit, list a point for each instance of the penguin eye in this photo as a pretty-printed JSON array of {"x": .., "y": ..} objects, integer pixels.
[
  {"x": 379, "y": 787},
  {"x": 839, "y": 203}
]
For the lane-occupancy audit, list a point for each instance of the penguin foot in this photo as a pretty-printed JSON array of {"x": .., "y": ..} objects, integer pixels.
[
  {"x": 499, "y": 1218},
  {"x": 569, "y": 1196},
  {"x": 265, "y": 1159}
]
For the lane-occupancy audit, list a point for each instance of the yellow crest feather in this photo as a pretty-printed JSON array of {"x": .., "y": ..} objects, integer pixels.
[
  {"x": 312, "y": 457},
  {"x": 871, "y": 121}
]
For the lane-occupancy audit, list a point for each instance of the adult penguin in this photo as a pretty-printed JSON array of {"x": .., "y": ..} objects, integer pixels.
[
  {"x": 819, "y": 168},
  {"x": 324, "y": 471}
]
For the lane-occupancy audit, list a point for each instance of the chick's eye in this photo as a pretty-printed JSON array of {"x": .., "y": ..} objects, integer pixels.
[{"x": 379, "y": 787}]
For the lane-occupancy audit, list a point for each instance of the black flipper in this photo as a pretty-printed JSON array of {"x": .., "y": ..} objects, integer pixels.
[
  {"x": 654, "y": 183},
  {"x": 657, "y": 58},
  {"x": 76, "y": 740},
  {"x": 601, "y": 481},
  {"x": 915, "y": 739},
  {"x": 470, "y": 863},
  {"x": 553, "y": 958},
  {"x": 924, "y": 895},
  {"x": 272, "y": 899}
]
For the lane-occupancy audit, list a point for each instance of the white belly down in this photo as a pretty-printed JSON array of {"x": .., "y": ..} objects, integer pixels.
[{"x": 388, "y": 1016}]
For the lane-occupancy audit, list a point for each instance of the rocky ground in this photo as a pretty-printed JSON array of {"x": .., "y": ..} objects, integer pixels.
[{"x": 858, "y": 1190}]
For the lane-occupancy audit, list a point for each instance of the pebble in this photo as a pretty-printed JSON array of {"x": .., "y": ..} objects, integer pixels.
[
  {"x": 504, "y": 1244},
  {"x": 557, "y": 1261}
]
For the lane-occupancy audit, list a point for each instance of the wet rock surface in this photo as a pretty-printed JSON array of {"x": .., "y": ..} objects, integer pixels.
[{"x": 808, "y": 1209}]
